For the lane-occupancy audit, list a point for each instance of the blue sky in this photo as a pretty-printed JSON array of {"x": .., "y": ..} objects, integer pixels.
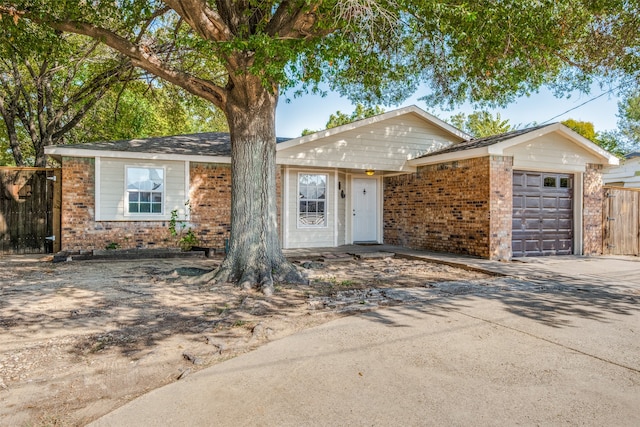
[{"x": 312, "y": 111}]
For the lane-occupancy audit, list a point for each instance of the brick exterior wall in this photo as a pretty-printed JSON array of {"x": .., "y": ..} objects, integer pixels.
[
  {"x": 592, "y": 210},
  {"x": 443, "y": 207},
  {"x": 501, "y": 210},
  {"x": 209, "y": 198},
  {"x": 460, "y": 207},
  {"x": 210, "y": 212}
]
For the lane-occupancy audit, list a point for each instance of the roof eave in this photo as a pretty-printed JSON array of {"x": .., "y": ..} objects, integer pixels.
[
  {"x": 57, "y": 152},
  {"x": 451, "y": 156}
]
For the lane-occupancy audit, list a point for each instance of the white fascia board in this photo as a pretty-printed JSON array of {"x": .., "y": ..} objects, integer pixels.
[
  {"x": 303, "y": 163},
  {"x": 375, "y": 119},
  {"x": 450, "y": 157},
  {"x": 70, "y": 152}
]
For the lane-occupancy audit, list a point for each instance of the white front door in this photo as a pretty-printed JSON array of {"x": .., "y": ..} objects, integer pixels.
[{"x": 365, "y": 210}]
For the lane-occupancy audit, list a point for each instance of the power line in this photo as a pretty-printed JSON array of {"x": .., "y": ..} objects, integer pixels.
[{"x": 584, "y": 103}]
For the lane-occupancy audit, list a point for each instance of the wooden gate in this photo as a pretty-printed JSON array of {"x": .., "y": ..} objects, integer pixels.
[
  {"x": 621, "y": 221},
  {"x": 30, "y": 200}
]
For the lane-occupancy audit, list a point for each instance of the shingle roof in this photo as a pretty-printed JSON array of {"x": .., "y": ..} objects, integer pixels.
[
  {"x": 484, "y": 142},
  {"x": 196, "y": 144}
]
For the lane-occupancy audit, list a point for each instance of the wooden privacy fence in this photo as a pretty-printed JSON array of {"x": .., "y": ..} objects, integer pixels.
[
  {"x": 30, "y": 200},
  {"x": 621, "y": 221}
]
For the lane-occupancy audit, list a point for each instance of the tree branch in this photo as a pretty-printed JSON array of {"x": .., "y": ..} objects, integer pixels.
[
  {"x": 203, "y": 19},
  {"x": 142, "y": 56},
  {"x": 146, "y": 25},
  {"x": 293, "y": 20}
]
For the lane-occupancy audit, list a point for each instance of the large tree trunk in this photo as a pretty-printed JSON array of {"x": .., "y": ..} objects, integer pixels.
[{"x": 255, "y": 258}]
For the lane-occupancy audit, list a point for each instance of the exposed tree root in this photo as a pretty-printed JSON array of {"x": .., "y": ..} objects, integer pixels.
[{"x": 248, "y": 277}]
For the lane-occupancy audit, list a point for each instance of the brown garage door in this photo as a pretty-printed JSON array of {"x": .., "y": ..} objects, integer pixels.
[{"x": 542, "y": 214}]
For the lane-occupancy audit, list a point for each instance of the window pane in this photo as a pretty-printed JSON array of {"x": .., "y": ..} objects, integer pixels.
[
  {"x": 564, "y": 182},
  {"x": 146, "y": 186},
  {"x": 312, "y": 205},
  {"x": 550, "y": 181}
]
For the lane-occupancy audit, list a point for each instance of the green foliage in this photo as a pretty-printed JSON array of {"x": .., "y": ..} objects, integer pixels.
[
  {"x": 481, "y": 123},
  {"x": 378, "y": 51},
  {"x": 361, "y": 112},
  {"x": 140, "y": 110},
  {"x": 339, "y": 118},
  {"x": 629, "y": 120},
  {"x": 178, "y": 228},
  {"x": 188, "y": 240},
  {"x": 48, "y": 81},
  {"x": 610, "y": 140},
  {"x": 585, "y": 129}
]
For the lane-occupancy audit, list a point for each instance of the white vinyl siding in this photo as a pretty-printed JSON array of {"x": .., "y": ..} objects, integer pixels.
[
  {"x": 112, "y": 197},
  {"x": 385, "y": 145},
  {"x": 625, "y": 175},
  {"x": 551, "y": 152},
  {"x": 342, "y": 209}
]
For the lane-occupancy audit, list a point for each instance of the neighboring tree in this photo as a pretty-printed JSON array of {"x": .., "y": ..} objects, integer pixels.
[
  {"x": 48, "y": 82},
  {"x": 613, "y": 143},
  {"x": 481, "y": 123},
  {"x": 374, "y": 51},
  {"x": 140, "y": 110},
  {"x": 629, "y": 121},
  {"x": 339, "y": 118},
  {"x": 6, "y": 158},
  {"x": 610, "y": 140},
  {"x": 585, "y": 129}
]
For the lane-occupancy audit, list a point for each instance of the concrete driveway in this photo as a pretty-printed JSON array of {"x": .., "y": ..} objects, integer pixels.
[{"x": 557, "y": 341}]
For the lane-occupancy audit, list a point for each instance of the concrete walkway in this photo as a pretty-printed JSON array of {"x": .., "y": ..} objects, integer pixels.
[{"x": 553, "y": 341}]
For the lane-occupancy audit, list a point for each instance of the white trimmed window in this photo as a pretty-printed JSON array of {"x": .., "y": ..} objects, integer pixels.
[
  {"x": 312, "y": 203},
  {"x": 145, "y": 190}
]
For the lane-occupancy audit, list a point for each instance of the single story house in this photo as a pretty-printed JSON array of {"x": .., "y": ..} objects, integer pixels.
[
  {"x": 403, "y": 177},
  {"x": 627, "y": 174}
]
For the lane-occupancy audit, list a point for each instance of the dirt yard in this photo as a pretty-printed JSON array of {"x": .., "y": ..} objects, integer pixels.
[{"x": 78, "y": 339}]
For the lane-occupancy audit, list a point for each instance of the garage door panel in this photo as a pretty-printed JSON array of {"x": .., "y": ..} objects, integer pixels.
[
  {"x": 532, "y": 202},
  {"x": 565, "y": 224},
  {"x": 556, "y": 245},
  {"x": 533, "y": 180},
  {"x": 531, "y": 224},
  {"x": 566, "y": 204},
  {"x": 532, "y": 246},
  {"x": 542, "y": 222},
  {"x": 517, "y": 246},
  {"x": 518, "y": 202}
]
